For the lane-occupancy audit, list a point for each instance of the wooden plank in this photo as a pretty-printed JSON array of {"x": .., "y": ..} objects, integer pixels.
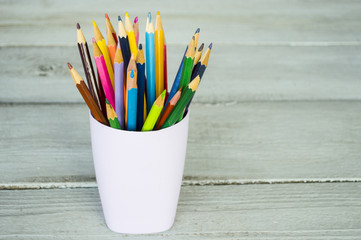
[
  {"x": 262, "y": 140},
  {"x": 280, "y": 211},
  {"x": 245, "y": 73},
  {"x": 52, "y": 22}
]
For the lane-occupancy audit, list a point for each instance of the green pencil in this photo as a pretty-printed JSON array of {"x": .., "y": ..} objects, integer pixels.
[
  {"x": 112, "y": 116},
  {"x": 187, "y": 65},
  {"x": 182, "y": 103},
  {"x": 154, "y": 112}
]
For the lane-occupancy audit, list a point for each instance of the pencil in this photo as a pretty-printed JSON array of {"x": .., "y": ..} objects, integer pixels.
[
  {"x": 178, "y": 110},
  {"x": 198, "y": 54},
  {"x": 131, "y": 37},
  {"x": 112, "y": 116},
  {"x": 176, "y": 82},
  {"x": 165, "y": 77},
  {"x": 188, "y": 65},
  {"x": 131, "y": 67},
  {"x": 101, "y": 94},
  {"x": 119, "y": 86},
  {"x": 132, "y": 102},
  {"x": 136, "y": 30},
  {"x": 111, "y": 28},
  {"x": 88, "y": 98},
  {"x": 159, "y": 55},
  {"x": 141, "y": 87},
  {"x": 124, "y": 43},
  {"x": 201, "y": 66},
  {"x": 168, "y": 109},
  {"x": 112, "y": 45},
  {"x": 196, "y": 37},
  {"x": 104, "y": 50},
  {"x": 87, "y": 64},
  {"x": 103, "y": 73},
  {"x": 154, "y": 113},
  {"x": 150, "y": 65}
]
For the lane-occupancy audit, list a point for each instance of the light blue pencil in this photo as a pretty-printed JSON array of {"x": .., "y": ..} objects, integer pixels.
[
  {"x": 150, "y": 62},
  {"x": 132, "y": 102},
  {"x": 119, "y": 86}
]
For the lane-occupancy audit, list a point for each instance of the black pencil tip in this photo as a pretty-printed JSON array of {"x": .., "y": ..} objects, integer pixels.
[
  {"x": 78, "y": 26},
  {"x": 201, "y": 47},
  {"x": 210, "y": 46},
  {"x": 198, "y": 30},
  {"x": 119, "y": 18},
  {"x": 140, "y": 46}
]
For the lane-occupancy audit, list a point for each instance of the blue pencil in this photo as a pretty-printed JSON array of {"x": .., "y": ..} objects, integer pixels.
[
  {"x": 175, "y": 86},
  {"x": 119, "y": 86},
  {"x": 141, "y": 87},
  {"x": 132, "y": 102},
  {"x": 149, "y": 47}
]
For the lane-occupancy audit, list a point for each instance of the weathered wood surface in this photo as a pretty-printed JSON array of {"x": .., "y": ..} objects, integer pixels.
[
  {"x": 282, "y": 21},
  {"x": 264, "y": 140},
  {"x": 235, "y": 73},
  {"x": 261, "y": 211}
]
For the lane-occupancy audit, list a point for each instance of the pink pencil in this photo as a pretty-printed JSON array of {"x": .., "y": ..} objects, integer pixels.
[
  {"x": 136, "y": 30},
  {"x": 103, "y": 73}
]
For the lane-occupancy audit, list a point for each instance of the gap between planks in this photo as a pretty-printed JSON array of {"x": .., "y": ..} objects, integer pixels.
[{"x": 208, "y": 182}]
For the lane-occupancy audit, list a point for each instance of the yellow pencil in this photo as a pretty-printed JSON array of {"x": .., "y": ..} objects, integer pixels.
[
  {"x": 104, "y": 49},
  {"x": 159, "y": 55},
  {"x": 131, "y": 37}
]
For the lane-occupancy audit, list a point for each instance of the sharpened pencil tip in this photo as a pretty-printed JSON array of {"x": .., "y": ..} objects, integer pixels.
[
  {"x": 93, "y": 40},
  {"x": 201, "y": 47},
  {"x": 126, "y": 14},
  {"x": 198, "y": 30},
  {"x": 158, "y": 13},
  {"x": 70, "y": 66},
  {"x": 163, "y": 93},
  {"x": 140, "y": 46},
  {"x": 106, "y": 16},
  {"x": 136, "y": 20},
  {"x": 78, "y": 26},
  {"x": 210, "y": 46},
  {"x": 94, "y": 24},
  {"x": 119, "y": 18},
  {"x": 150, "y": 17},
  {"x": 132, "y": 73}
]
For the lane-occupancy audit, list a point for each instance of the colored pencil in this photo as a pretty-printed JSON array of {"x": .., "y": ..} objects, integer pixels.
[
  {"x": 111, "y": 28},
  {"x": 178, "y": 110},
  {"x": 150, "y": 65},
  {"x": 176, "y": 82},
  {"x": 112, "y": 45},
  {"x": 136, "y": 30},
  {"x": 103, "y": 73},
  {"x": 112, "y": 116},
  {"x": 165, "y": 77},
  {"x": 124, "y": 43},
  {"x": 131, "y": 37},
  {"x": 132, "y": 102},
  {"x": 154, "y": 113},
  {"x": 188, "y": 65},
  {"x": 101, "y": 94},
  {"x": 168, "y": 109},
  {"x": 104, "y": 50},
  {"x": 141, "y": 87},
  {"x": 85, "y": 93},
  {"x": 196, "y": 37},
  {"x": 131, "y": 67},
  {"x": 87, "y": 64},
  {"x": 159, "y": 55},
  {"x": 201, "y": 66},
  {"x": 119, "y": 86}
]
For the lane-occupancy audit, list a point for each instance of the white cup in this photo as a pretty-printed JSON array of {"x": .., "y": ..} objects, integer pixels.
[{"x": 139, "y": 175}]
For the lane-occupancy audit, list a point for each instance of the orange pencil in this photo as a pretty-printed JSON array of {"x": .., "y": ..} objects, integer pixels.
[
  {"x": 169, "y": 108},
  {"x": 109, "y": 24},
  {"x": 112, "y": 45}
]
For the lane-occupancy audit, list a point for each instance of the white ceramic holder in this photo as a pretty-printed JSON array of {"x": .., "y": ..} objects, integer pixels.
[{"x": 139, "y": 175}]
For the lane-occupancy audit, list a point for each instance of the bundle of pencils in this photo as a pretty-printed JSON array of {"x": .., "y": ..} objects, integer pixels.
[{"x": 129, "y": 91}]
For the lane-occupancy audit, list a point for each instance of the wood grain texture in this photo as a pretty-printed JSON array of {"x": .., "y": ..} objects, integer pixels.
[
  {"x": 247, "y": 21},
  {"x": 260, "y": 73},
  {"x": 281, "y": 211},
  {"x": 264, "y": 140}
]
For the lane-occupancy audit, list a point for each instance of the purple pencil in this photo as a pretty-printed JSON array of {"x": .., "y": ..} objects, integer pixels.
[{"x": 119, "y": 85}]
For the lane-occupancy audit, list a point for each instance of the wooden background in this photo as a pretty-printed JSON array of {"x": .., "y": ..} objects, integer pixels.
[{"x": 275, "y": 130}]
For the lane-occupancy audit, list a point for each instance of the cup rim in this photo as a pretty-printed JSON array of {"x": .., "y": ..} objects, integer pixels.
[{"x": 105, "y": 127}]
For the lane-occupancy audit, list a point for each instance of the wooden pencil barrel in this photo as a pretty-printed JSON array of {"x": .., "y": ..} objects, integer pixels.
[{"x": 139, "y": 175}]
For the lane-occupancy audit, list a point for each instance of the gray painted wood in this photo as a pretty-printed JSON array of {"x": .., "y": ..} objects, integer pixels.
[
  {"x": 265, "y": 140},
  {"x": 40, "y": 74},
  {"x": 52, "y": 22},
  {"x": 261, "y": 211}
]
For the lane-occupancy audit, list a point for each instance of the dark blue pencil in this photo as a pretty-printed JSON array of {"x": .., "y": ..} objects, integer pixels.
[
  {"x": 124, "y": 44},
  {"x": 141, "y": 87}
]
